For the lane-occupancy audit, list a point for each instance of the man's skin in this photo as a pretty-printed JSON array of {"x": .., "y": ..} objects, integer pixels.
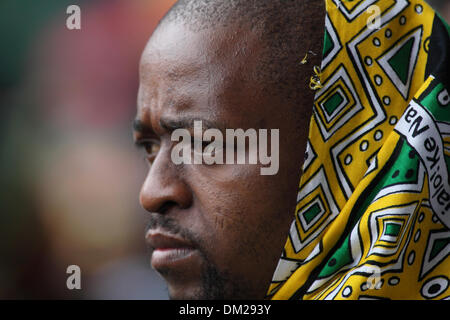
[{"x": 217, "y": 230}]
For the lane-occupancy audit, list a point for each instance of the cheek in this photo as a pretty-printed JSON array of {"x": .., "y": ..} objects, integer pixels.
[
  {"x": 223, "y": 195},
  {"x": 225, "y": 192},
  {"x": 239, "y": 210},
  {"x": 225, "y": 176}
]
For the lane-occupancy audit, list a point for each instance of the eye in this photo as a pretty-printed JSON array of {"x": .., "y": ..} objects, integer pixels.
[
  {"x": 151, "y": 148},
  {"x": 211, "y": 154}
]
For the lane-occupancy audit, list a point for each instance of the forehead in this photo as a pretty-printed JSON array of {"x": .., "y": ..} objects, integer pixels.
[
  {"x": 183, "y": 49},
  {"x": 209, "y": 71}
]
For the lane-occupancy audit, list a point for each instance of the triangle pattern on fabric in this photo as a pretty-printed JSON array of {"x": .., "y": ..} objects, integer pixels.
[
  {"x": 331, "y": 45},
  {"x": 399, "y": 61},
  {"x": 438, "y": 248}
]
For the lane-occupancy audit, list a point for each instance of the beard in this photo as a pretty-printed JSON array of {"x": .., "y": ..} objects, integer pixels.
[{"x": 213, "y": 282}]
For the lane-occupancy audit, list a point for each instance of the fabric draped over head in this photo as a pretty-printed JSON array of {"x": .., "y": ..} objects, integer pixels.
[{"x": 373, "y": 209}]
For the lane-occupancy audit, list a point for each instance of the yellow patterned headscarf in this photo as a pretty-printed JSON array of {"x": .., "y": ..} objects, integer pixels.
[{"x": 373, "y": 209}]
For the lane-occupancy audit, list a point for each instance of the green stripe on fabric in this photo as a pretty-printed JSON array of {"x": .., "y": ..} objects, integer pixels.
[{"x": 434, "y": 103}]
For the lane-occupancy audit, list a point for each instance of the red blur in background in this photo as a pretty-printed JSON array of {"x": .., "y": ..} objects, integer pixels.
[{"x": 71, "y": 172}]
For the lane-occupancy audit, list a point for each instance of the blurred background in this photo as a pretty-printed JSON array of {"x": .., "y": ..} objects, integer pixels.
[{"x": 70, "y": 175}]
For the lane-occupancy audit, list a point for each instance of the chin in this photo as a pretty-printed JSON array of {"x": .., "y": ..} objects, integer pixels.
[
  {"x": 197, "y": 290},
  {"x": 186, "y": 293}
]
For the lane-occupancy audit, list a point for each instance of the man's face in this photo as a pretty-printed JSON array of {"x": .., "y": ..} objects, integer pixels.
[{"x": 217, "y": 230}]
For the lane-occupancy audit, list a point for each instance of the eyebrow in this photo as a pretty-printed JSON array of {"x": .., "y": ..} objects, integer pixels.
[
  {"x": 170, "y": 124},
  {"x": 140, "y": 126}
]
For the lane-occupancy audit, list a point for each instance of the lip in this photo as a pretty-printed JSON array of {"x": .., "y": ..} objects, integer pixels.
[{"x": 168, "y": 250}]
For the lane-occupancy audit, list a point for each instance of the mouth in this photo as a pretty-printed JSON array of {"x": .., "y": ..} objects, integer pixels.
[{"x": 169, "y": 251}]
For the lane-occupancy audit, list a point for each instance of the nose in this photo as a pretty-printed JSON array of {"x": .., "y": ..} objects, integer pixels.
[{"x": 163, "y": 187}]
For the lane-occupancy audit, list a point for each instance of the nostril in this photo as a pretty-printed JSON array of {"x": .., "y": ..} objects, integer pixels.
[{"x": 166, "y": 206}]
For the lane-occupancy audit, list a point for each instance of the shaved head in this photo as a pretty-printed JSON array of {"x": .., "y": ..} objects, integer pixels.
[{"x": 288, "y": 28}]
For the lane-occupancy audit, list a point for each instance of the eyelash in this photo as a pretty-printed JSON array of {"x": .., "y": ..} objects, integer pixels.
[
  {"x": 148, "y": 146},
  {"x": 150, "y": 154}
]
